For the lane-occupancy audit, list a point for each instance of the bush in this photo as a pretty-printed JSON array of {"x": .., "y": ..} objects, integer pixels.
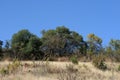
[
  {"x": 74, "y": 60},
  {"x": 119, "y": 68},
  {"x": 11, "y": 68},
  {"x": 99, "y": 62},
  {"x": 1, "y": 55},
  {"x": 3, "y": 71}
]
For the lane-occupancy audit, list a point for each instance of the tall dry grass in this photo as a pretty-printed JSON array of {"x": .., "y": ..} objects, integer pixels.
[{"x": 61, "y": 71}]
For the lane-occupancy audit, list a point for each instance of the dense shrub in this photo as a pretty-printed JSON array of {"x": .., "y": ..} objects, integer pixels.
[
  {"x": 119, "y": 68},
  {"x": 99, "y": 62},
  {"x": 74, "y": 60}
]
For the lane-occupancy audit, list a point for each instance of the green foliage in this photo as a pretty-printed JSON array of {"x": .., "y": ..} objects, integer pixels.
[
  {"x": 58, "y": 42},
  {"x": 119, "y": 68},
  {"x": 94, "y": 44},
  {"x": 62, "y": 41},
  {"x": 1, "y": 43},
  {"x": 3, "y": 71},
  {"x": 99, "y": 62},
  {"x": 76, "y": 36},
  {"x": 89, "y": 54},
  {"x": 114, "y": 50},
  {"x": 26, "y": 45},
  {"x": 94, "y": 38},
  {"x": 115, "y": 44},
  {"x": 1, "y": 54},
  {"x": 62, "y": 30},
  {"x": 48, "y": 34},
  {"x": 19, "y": 42},
  {"x": 74, "y": 60},
  {"x": 7, "y": 44},
  {"x": 33, "y": 47},
  {"x": 108, "y": 50}
]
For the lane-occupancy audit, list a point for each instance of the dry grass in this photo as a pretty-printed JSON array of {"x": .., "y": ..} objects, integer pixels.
[{"x": 61, "y": 71}]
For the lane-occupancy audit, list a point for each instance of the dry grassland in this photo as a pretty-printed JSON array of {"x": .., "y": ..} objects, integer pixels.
[{"x": 38, "y": 70}]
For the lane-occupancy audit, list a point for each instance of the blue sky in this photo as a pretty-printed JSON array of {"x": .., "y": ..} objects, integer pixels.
[{"x": 101, "y": 17}]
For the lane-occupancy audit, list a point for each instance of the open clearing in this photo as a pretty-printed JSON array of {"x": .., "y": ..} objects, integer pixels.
[{"x": 38, "y": 70}]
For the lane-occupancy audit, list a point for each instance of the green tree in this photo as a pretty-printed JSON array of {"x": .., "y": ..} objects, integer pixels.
[
  {"x": 62, "y": 41},
  {"x": 7, "y": 44},
  {"x": 22, "y": 44},
  {"x": 62, "y": 30},
  {"x": 115, "y": 44},
  {"x": 79, "y": 42},
  {"x": 115, "y": 48},
  {"x": 50, "y": 42},
  {"x": 33, "y": 48},
  {"x": 1, "y": 43},
  {"x": 108, "y": 50},
  {"x": 94, "y": 43}
]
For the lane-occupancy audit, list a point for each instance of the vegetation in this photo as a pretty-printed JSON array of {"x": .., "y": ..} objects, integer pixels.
[
  {"x": 56, "y": 71},
  {"x": 25, "y": 45},
  {"x": 119, "y": 68},
  {"x": 3, "y": 71},
  {"x": 55, "y": 43},
  {"x": 1, "y": 43},
  {"x": 70, "y": 73},
  {"x": 99, "y": 62},
  {"x": 11, "y": 68},
  {"x": 74, "y": 60}
]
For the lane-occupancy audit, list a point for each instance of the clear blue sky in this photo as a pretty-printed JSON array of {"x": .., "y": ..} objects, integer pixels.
[{"x": 101, "y": 17}]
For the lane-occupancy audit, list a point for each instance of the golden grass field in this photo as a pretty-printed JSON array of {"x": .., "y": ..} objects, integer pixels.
[{"x": 38, "y": 70}]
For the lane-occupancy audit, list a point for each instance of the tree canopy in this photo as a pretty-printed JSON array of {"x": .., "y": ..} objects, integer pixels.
[
  {"x": 59, "y": 42},
  {"x": 1, "y": 43},
  {"x": 94, "y": 43},
  {"x": 25, "y": 44},
  {"x": 62, "y": 41}
]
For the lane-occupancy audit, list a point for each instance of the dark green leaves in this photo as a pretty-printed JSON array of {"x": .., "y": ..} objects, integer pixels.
[
  {"x": 25, "y": 44},
  {"x": 1, "y": 43}
]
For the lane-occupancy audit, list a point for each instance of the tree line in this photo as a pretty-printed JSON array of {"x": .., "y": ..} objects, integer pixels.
[{"x": 59, "y": 42}]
